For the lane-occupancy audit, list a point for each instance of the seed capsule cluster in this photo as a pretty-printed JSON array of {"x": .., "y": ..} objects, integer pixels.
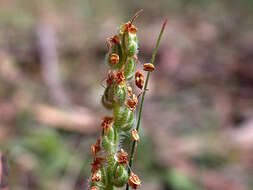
[{"x": 110, "y": 164}]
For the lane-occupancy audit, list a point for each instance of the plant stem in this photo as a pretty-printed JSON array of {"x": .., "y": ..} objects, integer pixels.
[
  {"x": 143, "y": 96},
  {"x": 109, "y": 185}
]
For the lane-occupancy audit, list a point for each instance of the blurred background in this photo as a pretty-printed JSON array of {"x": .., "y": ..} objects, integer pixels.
[{"x": 197, "y": 128}]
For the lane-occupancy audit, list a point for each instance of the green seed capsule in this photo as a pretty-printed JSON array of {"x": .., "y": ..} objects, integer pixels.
[
  {"x": 114, "y": 59},
  {"x": 116, "y": 137},
  {"x": 117, "y": 49},
  {"x": 131, "y": 43},
  {"x": 108, "y": 140},
  {"x": 110, "y": 134},
  {"x": 114, "y": 94},
  {"x": 97, "y": 184},
  {"x": 120, "y": 92},
  {"x": 120, "y": 176},
  {"x": 120, "y": 115},
  {"x": 123, "y": 118},
  {"x": 108, "y": 94},
  {"x": 107, "y": 145},
  {"x": 107, "y": 104},
  {"x": 129, "y": 70},
  {"x": 130, "y": 123},
  {"x": 132, "y": 49}
]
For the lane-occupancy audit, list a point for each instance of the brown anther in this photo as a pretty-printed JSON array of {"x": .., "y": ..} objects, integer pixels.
[
  {"x": 122, "y": 157},
  {"x": 134, "y": 181},
  {"x": 125, "y": 27},
  {"x": 114, "y": 40},
  {"x": 139, "y": 74},
  {"x": 96, "y": 176},
  {"x": 129, "y": 27},
  {"x": 95, "y": 148},
  {"x": 139, "y": 79},
  {"x": 148, "y": 67},
  {"x": 132, "y": 29},
  {"x": 106, "y": 124},
  {"x": 97, "y": 163},
  {"x": 129, "y": 91},
  {"x": 110, "y": 77},
  {"x": 114, "y": 59},
  {"x": 94, "y": 188},
  {"x": 120, "y": 77},
  {"x": 131, "y": 103},
  {"x": 135, "y": 135},
  {"x": 135, "y": 99}
]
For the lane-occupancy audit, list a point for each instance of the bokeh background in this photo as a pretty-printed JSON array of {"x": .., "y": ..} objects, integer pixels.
[{"x": 197, "y": 127}]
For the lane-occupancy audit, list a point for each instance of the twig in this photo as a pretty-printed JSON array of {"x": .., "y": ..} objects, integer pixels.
[{"x": 143, "y": 95}]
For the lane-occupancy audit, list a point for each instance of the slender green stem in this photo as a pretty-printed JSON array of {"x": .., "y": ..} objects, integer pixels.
[{"x": 143, "y": 96}]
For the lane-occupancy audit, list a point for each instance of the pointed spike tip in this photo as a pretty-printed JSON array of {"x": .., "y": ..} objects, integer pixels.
[
  {"x": 164, "y": 23},
  {"x": 135, "y": 16}
]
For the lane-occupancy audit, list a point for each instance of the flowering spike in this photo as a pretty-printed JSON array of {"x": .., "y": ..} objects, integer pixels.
[{"x": 110, "y": 168}]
